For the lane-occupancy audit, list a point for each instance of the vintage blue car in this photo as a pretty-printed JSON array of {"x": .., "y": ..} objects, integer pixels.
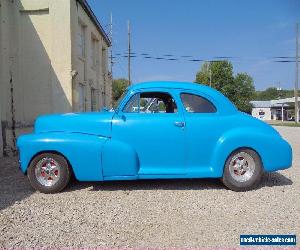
[{"x": 159, "y": 130}]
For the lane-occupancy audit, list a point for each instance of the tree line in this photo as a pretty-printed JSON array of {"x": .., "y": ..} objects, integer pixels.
[
  {"x": 273, "y": 94},
  {"x": 238, "y": 88}
]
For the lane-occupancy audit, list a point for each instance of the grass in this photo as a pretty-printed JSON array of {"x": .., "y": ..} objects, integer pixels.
[{"x": 284, "y": 123}]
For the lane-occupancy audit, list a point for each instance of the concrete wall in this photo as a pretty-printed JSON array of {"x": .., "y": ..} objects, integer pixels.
[
  {"x": 1, "y": 63},
  {"x": 262, "y": 113},
  {"x": 38, "y": 55},
  {"x": 35, "y": 63},
  {"x": 90, "y": 76}
]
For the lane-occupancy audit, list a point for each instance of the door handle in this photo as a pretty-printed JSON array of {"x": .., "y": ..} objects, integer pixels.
[{"x": 179, "y": 124}]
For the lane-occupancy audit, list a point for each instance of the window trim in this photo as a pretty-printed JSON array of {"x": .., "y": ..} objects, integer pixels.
[
  {"x": 201, "y": 96},
  {"x": 130, "y": 98},
  {"x": 81, "y": 87},
  {"x": 94, "y": 99},
  {"x": 82, "y": 27},
  {"x": 94, "y": 53}
]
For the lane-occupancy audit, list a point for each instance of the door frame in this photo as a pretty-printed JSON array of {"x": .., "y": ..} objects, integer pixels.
[{"x": 180, "y": 114}]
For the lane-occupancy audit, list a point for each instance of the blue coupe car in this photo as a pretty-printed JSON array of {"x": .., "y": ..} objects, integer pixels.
[{"x": 159, "y": 130}]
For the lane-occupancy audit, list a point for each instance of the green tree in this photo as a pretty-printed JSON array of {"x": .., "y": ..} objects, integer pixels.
[
  {"x": 118, "y": 88},
  {"x": 240, "y": 89},
  {"x": 203, "y": 76},
  {"x": 244, "y": 91},
  {"x": 273, "y": 94},
  {"x": 268, "y": 94},
  {"x": 221, "y": 74}
]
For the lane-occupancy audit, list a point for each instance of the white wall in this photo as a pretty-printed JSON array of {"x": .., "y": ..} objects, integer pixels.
[
  {"x": 1, "y": 81},
  {"x": 262, "y": 113},
  {"x": 38, "y": 46},
  {"x": 35, "y": 63}
]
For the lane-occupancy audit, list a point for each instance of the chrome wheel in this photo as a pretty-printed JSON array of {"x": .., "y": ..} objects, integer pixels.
[
  {"x": 241, "y": 167},
  {"x": 47, "y": 171}
]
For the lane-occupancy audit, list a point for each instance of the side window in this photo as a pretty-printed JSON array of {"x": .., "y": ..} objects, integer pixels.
[
  {"x": 132, "y": 105},
  {"x": 151, "y": 102},
  {"x": 197, "y": 104}
]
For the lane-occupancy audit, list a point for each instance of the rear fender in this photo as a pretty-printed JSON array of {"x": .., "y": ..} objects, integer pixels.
[{"x": 275, "y": 153}]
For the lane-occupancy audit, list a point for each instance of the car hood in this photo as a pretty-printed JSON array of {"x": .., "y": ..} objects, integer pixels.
[{"x": 96, "y": 123}]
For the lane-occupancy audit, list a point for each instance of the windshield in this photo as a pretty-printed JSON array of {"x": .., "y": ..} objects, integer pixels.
[{"x": 117, "y": 103}]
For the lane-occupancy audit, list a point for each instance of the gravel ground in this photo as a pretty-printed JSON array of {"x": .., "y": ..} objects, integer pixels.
[{"x": 157, "y": 213}]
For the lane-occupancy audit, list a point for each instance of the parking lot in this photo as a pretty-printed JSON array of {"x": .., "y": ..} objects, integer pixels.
[{"x": 156, "y": 213}]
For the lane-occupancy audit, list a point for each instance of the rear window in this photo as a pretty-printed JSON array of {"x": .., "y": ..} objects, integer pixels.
[{"x": 197, "y": 104}]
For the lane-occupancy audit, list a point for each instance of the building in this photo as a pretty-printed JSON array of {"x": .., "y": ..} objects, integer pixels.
[
  {"x": 281, "y": 109},
  {"x": 54, "y": 59}
]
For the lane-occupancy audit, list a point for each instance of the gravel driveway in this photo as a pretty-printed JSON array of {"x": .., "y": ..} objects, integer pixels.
[{"x": 159, "y": 213}]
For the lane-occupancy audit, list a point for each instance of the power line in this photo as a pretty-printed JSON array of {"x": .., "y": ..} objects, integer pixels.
[
  {"x": 285, "y": 61},
  {"x": 215, "y": 59},
  {"x": 172, "y": 57}
]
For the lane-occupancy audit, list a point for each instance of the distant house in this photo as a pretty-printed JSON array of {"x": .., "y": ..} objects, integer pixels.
[
  {"x": 281, "y": 109},
  {"x": 53, "y": 59}
]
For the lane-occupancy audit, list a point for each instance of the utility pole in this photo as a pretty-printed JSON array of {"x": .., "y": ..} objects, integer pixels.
[
  {"x": 279, "y": 90},
  {"x": 297, "y": 76},
  {"x": 209, "y": 75},
  {"x": 208, "y": 70},
  {"x": 111, "y": 45},
  {"x": 129, "y": 54}
]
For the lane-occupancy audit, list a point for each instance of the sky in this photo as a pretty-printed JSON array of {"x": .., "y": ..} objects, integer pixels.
[{"x": 250, "y": 31}]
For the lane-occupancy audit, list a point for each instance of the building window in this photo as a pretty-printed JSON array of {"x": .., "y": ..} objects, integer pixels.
[
  {"x": 94, "y": 54},
  {"x": 81, "y": 97},
  {"x": 81, "y": 40},
  {"x": 93, "y": 99},
  {"x": 103, "y": 59}
]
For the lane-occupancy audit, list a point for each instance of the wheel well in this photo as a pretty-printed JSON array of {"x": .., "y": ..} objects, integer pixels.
[
  {"x": 52, "y": 152},
  {"x": 240, "y": 148}
]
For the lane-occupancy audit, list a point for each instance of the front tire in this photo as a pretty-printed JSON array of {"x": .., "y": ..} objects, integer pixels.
[
  {"x": 243, "y": 170},
  {"x": 49, "y": 173}
]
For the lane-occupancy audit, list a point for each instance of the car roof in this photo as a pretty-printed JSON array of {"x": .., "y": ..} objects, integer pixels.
[
  {"x": 167, "y": 84},
  {"x": 225, "y": 106}
]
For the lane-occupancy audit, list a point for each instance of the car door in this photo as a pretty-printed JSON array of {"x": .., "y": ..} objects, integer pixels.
[
  {"x": 203, "y": 129},
  {"x": 155, "y": 133}
]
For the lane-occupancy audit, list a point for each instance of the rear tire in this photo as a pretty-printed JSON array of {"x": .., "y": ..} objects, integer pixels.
[
  {"x": 49, "y": 173},
  {"x": 243, "y": 170}
]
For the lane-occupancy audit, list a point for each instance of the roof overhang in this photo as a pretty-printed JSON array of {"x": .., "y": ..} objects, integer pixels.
[{"x": 94, "y": 19}]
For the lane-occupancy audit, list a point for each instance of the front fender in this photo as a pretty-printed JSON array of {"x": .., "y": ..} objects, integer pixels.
[
  {"x": 83, "y": 151},
  {"x": 274, "y": 151}
]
